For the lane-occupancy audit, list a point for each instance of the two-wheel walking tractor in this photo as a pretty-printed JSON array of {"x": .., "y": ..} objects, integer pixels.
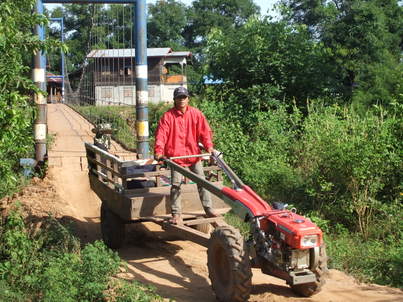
[{"x": 281, "y": 243}]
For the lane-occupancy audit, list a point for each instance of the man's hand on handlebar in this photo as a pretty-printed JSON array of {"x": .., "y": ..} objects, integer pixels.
[
  {"x": 159, "y": 157},
  {"x": 211, "y": 159}
]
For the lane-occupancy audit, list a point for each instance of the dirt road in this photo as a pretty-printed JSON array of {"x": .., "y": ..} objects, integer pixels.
[{"x": 176, "y": 268}]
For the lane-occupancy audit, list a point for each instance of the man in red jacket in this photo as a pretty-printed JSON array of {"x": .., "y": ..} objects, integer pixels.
[{"x": 179, "y": 132}]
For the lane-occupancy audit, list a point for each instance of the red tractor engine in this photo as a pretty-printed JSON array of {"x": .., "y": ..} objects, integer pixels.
[{"x": 282, "y": 243}]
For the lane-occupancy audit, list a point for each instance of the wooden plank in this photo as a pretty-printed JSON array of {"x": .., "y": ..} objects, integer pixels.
[
  {"x": 99, "y": 168},
  {"x": 110, "y": 178},
  {"x": 104, "y": 154},
  {"x": 160, "y": 172},
  {"x": 158, "y": 203},
  {"x": 187, "y": 233},
  {"x": 211, "y": 168},
  {"x": 116, "y": 179},
  {"x": 185, "y": 188},
  {"x": 146, "y": 174},
  {"x": 104, "y": 166},
  {"x": 201, "y": 221}
]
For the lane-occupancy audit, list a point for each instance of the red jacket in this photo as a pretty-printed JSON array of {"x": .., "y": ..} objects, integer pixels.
[{"x": 179, "y": 133}]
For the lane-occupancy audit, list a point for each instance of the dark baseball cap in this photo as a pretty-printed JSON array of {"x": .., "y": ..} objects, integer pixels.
[{"x": 180, "y": 91}]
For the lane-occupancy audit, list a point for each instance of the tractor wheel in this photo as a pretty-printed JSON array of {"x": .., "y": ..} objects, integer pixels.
[
  {"x": 309, "y": 289},
  {"x": 229, "y": 265},
  {"x": 203, "y": 227},
  {"x": 112, "y": 227}
]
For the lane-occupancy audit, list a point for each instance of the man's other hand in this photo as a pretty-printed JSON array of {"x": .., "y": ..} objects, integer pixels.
[{"x": 158, "y": 157}]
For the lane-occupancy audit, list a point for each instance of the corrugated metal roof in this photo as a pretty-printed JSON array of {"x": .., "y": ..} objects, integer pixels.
[
  {"x": 180, "y": 54},
  {"x": 127, "y": 53}
]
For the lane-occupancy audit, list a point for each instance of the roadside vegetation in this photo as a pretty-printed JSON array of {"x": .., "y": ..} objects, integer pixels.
[
  {"x": 16, "y": 110},
  {"x": 340, "y": 168},
  {"x": 49, "y": 264}
]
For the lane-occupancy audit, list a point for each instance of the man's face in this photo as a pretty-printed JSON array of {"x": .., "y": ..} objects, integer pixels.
[{"x": 181, "y": 102}]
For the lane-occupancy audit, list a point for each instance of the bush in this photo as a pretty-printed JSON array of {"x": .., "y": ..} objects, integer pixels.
[
  {"x": 120, "y": 118},
  {"x": 349, "y": 164},
  {"x": 375, "y": 261},
  {"x": 17, "y": 46},
  {"x": 50, "y": 266},
  {"x": 257, "y": 139},
  {"x": 340, "y": 164}
]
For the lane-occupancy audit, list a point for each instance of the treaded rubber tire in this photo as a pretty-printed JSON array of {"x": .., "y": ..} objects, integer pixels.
[
  {"x": 229, "y": 265},
  {"x": 309, "y": 289},
  {"x": 112, "y": 228}
]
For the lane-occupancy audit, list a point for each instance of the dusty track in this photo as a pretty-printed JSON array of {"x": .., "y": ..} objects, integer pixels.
[{"x": 176, "y": 268}]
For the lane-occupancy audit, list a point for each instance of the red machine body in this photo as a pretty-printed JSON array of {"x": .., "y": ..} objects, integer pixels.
[
  {"x": 297, "y": 231},
  {"x": 294, "y": 228}
]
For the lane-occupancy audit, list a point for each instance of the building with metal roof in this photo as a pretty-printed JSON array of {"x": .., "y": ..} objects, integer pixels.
[{"x": 113, "y": 78}]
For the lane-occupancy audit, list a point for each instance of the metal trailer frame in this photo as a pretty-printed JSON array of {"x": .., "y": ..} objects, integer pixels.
[{"x": 110, "y": 179}]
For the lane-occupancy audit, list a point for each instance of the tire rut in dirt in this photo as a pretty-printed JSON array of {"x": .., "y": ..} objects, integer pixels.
[
  {"x": 309, "y": 289},
  {"x": 112, "y": 227},
  {"x": 229, "y": 265}
]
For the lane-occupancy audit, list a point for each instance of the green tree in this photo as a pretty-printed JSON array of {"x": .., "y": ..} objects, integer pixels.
[
  {"x": 364, "y": 40},
  {"x": 166, "y": 22},
  {"x": 207, "y": 14},
  {"x": 270, "y": 53}
]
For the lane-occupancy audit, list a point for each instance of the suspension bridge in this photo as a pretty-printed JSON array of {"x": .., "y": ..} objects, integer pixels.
[{"x": 116, "y": 71}]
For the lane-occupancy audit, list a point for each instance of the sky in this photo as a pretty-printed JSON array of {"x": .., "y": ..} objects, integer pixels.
[{"x": 264, "y": 4}]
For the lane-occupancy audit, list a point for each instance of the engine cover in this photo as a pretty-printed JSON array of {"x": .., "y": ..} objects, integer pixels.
[{"x": 295, "y": 230}]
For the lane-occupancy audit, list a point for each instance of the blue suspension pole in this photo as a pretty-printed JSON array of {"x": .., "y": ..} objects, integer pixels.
[
  {"x": 141, "y": 79},
  {"x": 62, "y": 53},
  {"x": 38, "y": 76}
]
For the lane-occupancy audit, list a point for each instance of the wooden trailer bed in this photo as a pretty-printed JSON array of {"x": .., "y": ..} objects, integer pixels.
[{"x": 136, "y": 191}]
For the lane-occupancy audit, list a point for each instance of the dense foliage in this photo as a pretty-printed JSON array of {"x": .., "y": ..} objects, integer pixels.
[
  {"x": 363, "y": 39},
  {"x": 49, "y": 265},
  {"x": 283, "y": 59},
  {"x": 17, "y": 46},
  {"x": 204, "y": 15},
  {"x": 160, "y": 34},
  {"x": 299, "y": 119}
]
